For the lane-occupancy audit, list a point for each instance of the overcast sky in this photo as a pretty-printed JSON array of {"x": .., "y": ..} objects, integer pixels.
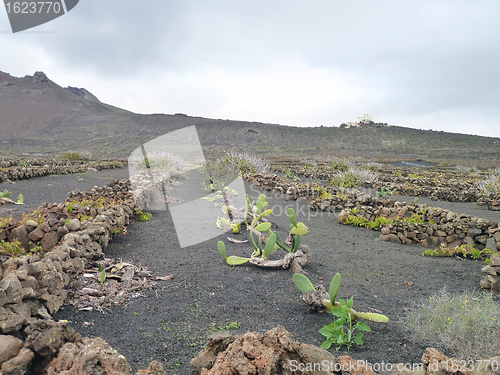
[{"x": 424, "y": 64}]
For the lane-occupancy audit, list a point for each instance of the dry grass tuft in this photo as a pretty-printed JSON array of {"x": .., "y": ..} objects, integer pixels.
[{"x": 465, "y": 326}]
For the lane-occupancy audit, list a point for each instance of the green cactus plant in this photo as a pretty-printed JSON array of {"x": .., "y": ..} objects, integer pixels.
[
  {"x": 292, "y": 217},
  {"x": 4, "y": 198},
  {"x": 303, "y": 283},
  {"x": 225, "y": 194},
  {"x": 232, "y": 260},
  {"x": 269, "y": 248},
  {"x": 268, "y": 241},
  {"x": 224, "y": 224},
  {"x": 236, "y": 261},
  {"x": 262, "y": 227},
  {"x": 222, "y": 249},
  {"x": 334, "y": 288},
  {"x": 5, "y": 194},
  {"x": 336, "y": 332},
  {"x": 255, "y": 211}
]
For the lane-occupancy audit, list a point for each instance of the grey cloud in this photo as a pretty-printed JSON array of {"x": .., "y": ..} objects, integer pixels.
[{"x": 419, "y": 57}]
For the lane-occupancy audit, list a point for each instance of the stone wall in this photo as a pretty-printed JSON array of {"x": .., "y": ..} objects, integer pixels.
[
  {"x": 440, "y": 226},
  {"x": 32, "y": 287},
  {"x": 491, "y": 279},
  {"x": 461, "y": 192},
  {"x": 35, "y": 169},
  {"x": 437, "y": 184},
  {"x": 54, "y": 348}
]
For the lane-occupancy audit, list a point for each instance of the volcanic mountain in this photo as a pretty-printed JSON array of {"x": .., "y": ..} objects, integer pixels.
[
  {"x": 39, "y": 117},
  {"x": 30, "y": 104}
]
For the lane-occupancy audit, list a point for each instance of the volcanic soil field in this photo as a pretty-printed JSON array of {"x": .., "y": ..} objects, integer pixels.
[{"x": 171, "y": 319}]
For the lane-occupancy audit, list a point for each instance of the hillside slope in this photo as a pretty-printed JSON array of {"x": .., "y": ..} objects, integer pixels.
[{"x": 37, "y": 116}]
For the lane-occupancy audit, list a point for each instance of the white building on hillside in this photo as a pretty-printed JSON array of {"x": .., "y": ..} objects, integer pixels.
[
  {"x": 352, "y": 124},
  {"x": 365, "y": 119}
]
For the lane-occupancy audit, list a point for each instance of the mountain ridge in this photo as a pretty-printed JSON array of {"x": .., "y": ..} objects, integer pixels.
[{"x": 39, "y": 117}]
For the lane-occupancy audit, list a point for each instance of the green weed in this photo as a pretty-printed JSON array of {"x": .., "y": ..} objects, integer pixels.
[
  {"x": 227, "y": 327},
  {"x": 463, "y": 251},
  {"x": 15, "y": 249},
  {"x": 384, "y": 192},
  {"x": 143, "y": 216},
  {"x": 341, "y": 331}
]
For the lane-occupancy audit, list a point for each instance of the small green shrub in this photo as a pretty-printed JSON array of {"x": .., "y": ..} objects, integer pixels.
[
  {"x": 354, "y": 176},
  {"x": 341, "y": 165},
  {"x": 344, "y": 180},
  {"x": 491, "y": 184},
  {"x": 165, "y": 161},
  {"x": 155, "y": 162},
  {"x": 12, "y": 248},
  {"x": 441, "y": 252},
  {"x": 143, "y": 216},
  {"x": 235, "y": 163},
  {"x": 414, "y": 175},
  {"x": 292, "y": 176},
  {"x": 102, "y": 278},
  {"x": 250, "y": 161},
  {"x": 463, "y": 251},
  {"x": 116, "y": 164},
  {"x": 71, "y": 156},
  {"x": 462, "y": 325},
  {"x": 37, "y": 216},
  {"x": 413, "y": 219},
  {"x": 384, "y": 192},
  {"x": 356, "y": 221},
  {"x": 6, "y": 222},
  {"x": 360, "y": 221},
  {"x": 15, "y": 249},
  {"x": 377, "y": 223},
  {"x": 468, "y": 250},
  {"x": 98, "y": 203},
  {"x": 326, "y": 194},
  {"x": 84, "y": 217},
  {"x": 232, "y": 166}
]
